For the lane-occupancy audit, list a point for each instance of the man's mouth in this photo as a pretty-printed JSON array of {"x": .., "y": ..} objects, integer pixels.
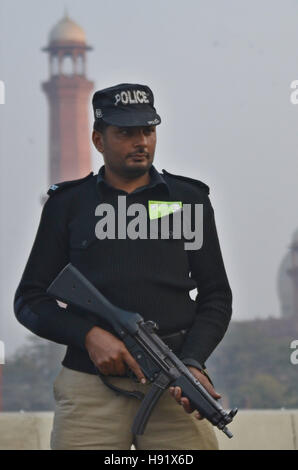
[{"x": 138, "y": 156}]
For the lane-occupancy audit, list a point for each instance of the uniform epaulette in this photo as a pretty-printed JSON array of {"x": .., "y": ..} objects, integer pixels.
[
  {"x": 56, "y": 188},
  {"x": 190, "y": 180}
]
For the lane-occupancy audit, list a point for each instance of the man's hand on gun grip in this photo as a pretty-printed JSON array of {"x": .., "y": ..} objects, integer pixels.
[
  {"x": 177, "y": 394},
  {"x": 109, "y": 354}
]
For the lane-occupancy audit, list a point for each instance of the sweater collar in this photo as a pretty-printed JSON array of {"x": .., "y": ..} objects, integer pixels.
[{"x": 155, "y": 179}]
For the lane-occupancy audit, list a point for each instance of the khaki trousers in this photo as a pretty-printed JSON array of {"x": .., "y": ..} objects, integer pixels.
[{"x": 89, "y": 415}]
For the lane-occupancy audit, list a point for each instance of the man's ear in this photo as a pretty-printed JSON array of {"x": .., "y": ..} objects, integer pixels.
[{"x": 97, "y": 139}]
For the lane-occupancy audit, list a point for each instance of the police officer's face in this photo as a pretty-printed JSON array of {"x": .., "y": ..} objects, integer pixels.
[{"x": 127, "y": 151}]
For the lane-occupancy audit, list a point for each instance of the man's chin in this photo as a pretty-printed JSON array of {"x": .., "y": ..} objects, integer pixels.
[{"x": 138, "y": 168}]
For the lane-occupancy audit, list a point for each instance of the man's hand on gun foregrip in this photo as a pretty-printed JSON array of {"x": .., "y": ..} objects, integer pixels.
[
  {"x": 109, "y": 354},
  {"x": 177, "y": 394}
]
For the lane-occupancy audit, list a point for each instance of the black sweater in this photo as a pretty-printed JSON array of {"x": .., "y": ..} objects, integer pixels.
[{"x": 150, "y": 276}]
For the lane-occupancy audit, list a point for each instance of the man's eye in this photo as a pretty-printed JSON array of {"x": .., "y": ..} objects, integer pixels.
[{"x": 150, "y": 130}]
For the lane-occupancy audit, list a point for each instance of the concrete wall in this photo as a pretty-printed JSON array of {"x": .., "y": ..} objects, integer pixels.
[
  {"x": 252, "y": 429},
  {"x": 262, "y": 430}
]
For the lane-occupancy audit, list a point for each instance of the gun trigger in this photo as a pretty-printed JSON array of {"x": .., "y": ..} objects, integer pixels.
[{"x": 128, "y": 393}]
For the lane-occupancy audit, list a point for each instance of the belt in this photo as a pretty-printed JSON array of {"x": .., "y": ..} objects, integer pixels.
[{"x": 175, "y": 340}]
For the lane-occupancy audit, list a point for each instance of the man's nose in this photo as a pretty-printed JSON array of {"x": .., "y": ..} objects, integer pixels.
[{"x": 141, "y": 139}]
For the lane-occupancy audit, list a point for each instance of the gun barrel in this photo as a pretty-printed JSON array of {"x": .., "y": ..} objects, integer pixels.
[{"x": 227, "y": 432}]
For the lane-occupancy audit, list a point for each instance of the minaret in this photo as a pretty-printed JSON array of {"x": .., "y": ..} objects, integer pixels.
[{"x": 68, "y": 93}]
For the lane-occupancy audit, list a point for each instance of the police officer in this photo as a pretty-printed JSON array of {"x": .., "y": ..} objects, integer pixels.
[{"x": 152, "y": 276}]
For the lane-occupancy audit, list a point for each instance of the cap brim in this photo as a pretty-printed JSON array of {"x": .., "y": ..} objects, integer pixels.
[{"x": 123, "y": 118}]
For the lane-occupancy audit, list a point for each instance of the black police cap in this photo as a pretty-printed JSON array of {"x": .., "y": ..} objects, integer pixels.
[{"x": 125, "y": 105}]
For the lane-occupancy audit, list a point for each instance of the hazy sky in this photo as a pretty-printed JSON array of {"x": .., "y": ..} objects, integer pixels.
[{"x": 221, "y": 74}]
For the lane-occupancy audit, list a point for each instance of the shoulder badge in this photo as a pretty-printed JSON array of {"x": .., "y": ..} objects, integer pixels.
[
  {"x": 56, "y": 188},
  {"x": 190, "y": 180}
]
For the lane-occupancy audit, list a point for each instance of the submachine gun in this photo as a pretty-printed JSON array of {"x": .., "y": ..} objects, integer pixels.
[{"x": 159, "y": 364}]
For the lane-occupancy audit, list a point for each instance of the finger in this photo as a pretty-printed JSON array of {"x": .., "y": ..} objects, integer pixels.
[
  {"x": 181, "y": 400},
  {"x": 177, "y": 394},
  {"x": 103, "y": 370},
  {"x": 119, "y": 367},
  {"x": 132, "y": 363},
  {"x": 186, "y": 405},
  {"x": 207, "y": 385},
  {"x": 172, "y": 391},
  {"x": 198, "y": 416},
  {"x": 111, "y": 370},
  {"x": 214, "y": 394},
  {"x": 121, "y": 370},
  {"x": 111, "y": 367}
]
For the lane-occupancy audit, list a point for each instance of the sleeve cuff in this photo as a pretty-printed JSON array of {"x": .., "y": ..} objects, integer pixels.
[
  {"x": 202, "y": 368},
  {"x": 193, "y": 363}
]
